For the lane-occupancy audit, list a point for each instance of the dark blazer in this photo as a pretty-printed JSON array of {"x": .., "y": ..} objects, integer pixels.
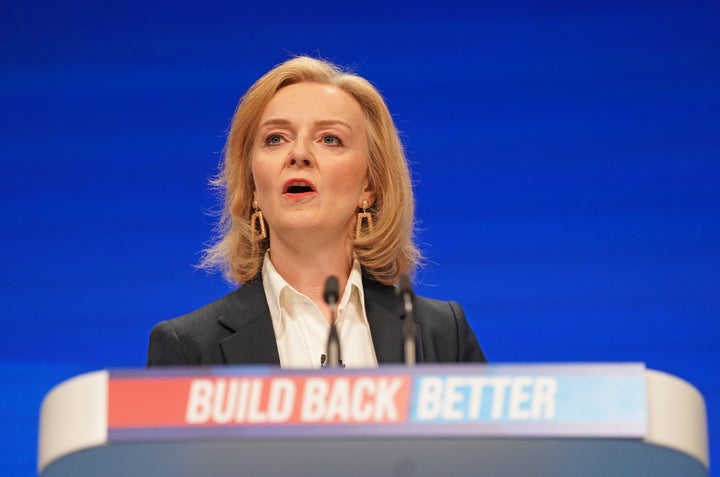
[{"x": 237, "y": 329}]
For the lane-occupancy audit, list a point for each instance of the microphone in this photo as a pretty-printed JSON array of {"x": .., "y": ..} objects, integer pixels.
[
  {"x": 405, "y": 291},
  {"x": 330, "y": 294}
]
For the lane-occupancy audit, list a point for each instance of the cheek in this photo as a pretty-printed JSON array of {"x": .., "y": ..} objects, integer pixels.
[
  {"x": 260, "y": 175},
  {"x": 260, "y": 188},
  {"x": 357, "y": 176}
]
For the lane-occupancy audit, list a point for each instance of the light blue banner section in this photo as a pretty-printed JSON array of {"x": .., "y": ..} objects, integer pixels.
[{"x": 539, "y": 396}]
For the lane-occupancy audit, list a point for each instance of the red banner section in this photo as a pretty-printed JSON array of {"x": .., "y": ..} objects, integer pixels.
[{"x": 256, "y": 400}]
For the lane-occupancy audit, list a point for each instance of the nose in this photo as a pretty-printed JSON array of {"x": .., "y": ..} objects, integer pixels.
[{"x": 301, "y": 155}]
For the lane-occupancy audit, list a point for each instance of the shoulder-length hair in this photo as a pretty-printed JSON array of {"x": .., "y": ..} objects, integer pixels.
[{"x": 385, "y": 252}]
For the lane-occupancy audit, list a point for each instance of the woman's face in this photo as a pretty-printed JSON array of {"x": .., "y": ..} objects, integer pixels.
[{"x": 309, "y": 162}]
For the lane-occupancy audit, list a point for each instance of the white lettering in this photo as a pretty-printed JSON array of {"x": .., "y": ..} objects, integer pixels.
[
  {"x": 198, "y": 408},
  {"x": 281, "y": 400},
  {"x": 458, "y": 398},
  {"x": 224, "y": 400},
  {"x": 475, "y": 404},
  {"x": 385, "y": 408},
  {"x": 314, "y": 396},
  {"x": 451, "y": 410},
  {"x": 338, "y": 408},
  {"x": 498, "y": 403},
  {"x": 544, "y": 392},
  {"x": 430, "y": 397},
  {"x": 519, "y": 398},
  {"x": 241, "y": 410},
  {"x": 362, "y": 408},
  {"x": 255, "y": 411}
]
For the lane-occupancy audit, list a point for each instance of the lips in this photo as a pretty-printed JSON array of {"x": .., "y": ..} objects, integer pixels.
[{"x": 298, "y": 186}]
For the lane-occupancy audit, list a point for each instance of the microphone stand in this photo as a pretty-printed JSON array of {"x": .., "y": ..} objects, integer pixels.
[
  {"x": 406, "y": 293},
  {"x": 330, "y": 294}
]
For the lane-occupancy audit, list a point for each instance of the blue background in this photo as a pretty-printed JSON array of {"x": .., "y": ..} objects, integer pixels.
[{"x": 566, "y": 157}]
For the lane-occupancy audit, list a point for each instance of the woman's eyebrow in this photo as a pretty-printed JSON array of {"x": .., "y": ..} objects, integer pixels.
[
  {"x": 276, "y": 122},
  {"x": 282, "y": 122},
  {"x": 333, "y": 122}
]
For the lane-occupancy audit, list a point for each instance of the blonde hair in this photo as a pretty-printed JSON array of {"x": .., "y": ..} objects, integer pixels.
[{"x": 385, "y": 252}]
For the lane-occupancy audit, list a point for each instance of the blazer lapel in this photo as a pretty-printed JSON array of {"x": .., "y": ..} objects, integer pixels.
[
  {"x": 385, "y": 315},
  {"x": 253, "y": 342},
  {"x": 246, "y": 313}
]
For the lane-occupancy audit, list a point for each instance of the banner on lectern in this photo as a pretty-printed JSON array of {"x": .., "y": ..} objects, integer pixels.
[{"x": 460, "y": 400}]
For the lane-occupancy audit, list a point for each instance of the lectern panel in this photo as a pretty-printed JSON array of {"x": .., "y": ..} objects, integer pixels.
[{"x": 499, "y": 420}]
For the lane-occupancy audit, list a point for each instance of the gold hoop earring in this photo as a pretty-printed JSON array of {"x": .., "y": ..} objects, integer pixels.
[
  {"x": 257, "y": 224},
  {"x": 364, "y": 221}
]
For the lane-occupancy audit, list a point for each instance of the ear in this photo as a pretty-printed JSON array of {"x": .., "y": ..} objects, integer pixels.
[{"x": 367, "y": 194}]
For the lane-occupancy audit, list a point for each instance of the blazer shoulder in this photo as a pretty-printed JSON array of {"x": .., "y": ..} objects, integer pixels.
[
  {"x": 444, "y": 325},
  {"x": 191, "y": 338},
  {"x": 199, "y": 317},
  {"x": 438, "y": 310}
]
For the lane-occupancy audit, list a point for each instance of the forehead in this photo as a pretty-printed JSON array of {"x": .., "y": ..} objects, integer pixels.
[{"x": 313, "y": 101}]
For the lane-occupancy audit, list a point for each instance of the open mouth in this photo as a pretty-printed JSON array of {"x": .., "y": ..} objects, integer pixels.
[{"x": 298, "y": 187}]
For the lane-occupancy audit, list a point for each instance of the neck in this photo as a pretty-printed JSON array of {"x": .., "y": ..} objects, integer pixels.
[{"x": 307, "y": 267}]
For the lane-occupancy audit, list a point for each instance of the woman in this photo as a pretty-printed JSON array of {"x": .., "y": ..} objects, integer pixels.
[{"x": 316, "y": 185}]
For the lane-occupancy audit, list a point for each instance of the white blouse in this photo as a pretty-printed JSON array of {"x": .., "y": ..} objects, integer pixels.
[{"x": 301, "y": 330}]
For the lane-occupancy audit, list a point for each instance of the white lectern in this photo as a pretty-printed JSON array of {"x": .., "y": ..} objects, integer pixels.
[{"x": 426, "y": 421}]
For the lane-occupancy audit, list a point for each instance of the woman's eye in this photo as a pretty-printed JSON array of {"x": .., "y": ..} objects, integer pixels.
[
  {"x": 331, "y": 140},
  {"x": 272, "y": 139}
]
